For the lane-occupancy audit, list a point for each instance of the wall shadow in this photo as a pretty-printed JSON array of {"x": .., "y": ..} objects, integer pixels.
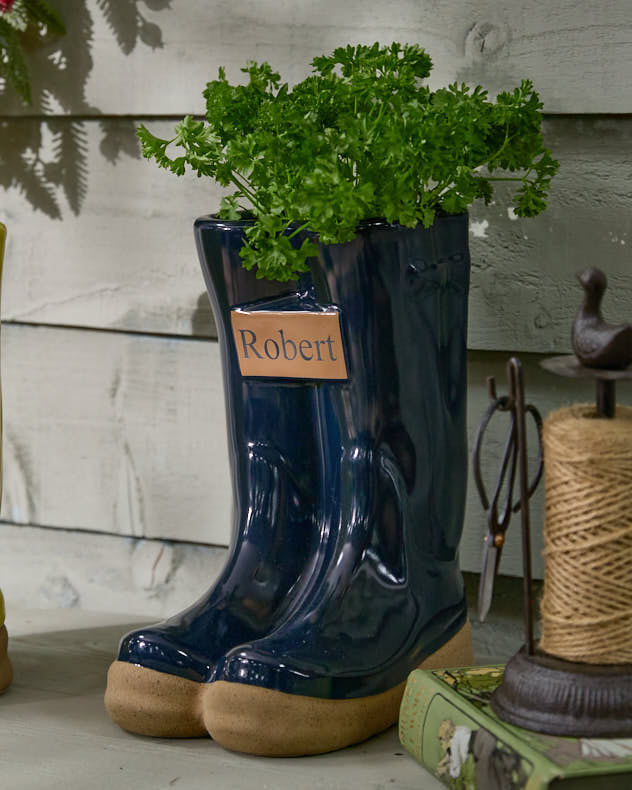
[{"x": 46, "y": 157}]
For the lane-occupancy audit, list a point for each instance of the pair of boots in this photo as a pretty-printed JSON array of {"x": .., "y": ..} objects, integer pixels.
[{"x": 343, "y": 572}]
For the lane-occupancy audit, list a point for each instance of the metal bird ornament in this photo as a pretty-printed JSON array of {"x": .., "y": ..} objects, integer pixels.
[{"x": 596, "y": 343}]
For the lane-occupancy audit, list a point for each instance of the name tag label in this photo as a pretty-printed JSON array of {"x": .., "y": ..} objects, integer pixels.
[{"x": 290, "y": 345}]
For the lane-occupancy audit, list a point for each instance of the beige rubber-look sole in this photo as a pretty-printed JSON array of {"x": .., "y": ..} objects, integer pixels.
[
  {"x": 273, "y": 724},
  {"x": 256, "y": 720},
  {"x": 154, "y": 703},
  {"x": 6, "y": 672}
]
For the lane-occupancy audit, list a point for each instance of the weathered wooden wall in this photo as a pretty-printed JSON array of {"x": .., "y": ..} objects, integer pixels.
[{"x": 114, "y": 420}]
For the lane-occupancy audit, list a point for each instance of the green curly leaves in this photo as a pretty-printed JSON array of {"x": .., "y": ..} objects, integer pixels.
[
  {"x": 278, "y": 261},
  {"x": 203, "y": 150},
  {"x": 361, "y": 137}
]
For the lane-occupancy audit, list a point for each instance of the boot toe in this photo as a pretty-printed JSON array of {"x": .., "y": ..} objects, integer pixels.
[
  {"x": 156, "y": 685},
  {"x": 271, "y": 668},
  {"x": 158, "y": 649}
]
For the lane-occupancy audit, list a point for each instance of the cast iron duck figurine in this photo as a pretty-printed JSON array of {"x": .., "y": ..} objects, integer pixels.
[{"x": 596, "y": 343}]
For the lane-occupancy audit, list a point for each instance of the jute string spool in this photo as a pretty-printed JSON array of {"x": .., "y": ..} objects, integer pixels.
[{"x": 586, "y": 607}]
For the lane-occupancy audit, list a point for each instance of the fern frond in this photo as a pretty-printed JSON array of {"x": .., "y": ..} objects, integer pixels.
[
  {"x": 12, "y": 62},
  {"x": 72, "y": 151},
  {"x": 41, "y": 11},
  {"x": 123, "y": 19}
]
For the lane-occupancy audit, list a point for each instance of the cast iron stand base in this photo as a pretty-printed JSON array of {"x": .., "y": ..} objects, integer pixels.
[{"x": 557, "y": 697}]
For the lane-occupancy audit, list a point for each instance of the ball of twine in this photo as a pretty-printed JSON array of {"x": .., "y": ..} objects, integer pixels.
[{"x": 586, "y": 606}]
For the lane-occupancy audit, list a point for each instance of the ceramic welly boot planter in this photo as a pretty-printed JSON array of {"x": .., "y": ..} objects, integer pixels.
[
  {"x": 349, "y": 463},
  {"x": 345, "y": 389},
  {"x": 155, "y": 685}
]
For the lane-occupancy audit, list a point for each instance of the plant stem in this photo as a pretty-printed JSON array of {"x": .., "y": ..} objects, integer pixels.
[
  {"x": 298, "y": 230},
  {"x": 247, "y": 191},
  {"x": 507, "y": 178}
]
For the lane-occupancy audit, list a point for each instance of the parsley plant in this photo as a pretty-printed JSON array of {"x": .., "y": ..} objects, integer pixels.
[{"x": 361, "y": 137}]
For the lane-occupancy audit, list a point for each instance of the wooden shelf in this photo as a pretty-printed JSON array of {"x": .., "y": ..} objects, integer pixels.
[{"x": 55, "y": 733}]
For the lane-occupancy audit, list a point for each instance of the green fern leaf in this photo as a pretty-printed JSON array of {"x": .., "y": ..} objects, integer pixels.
[
  {"x": 41, "y": 11},
  {"x": 12, "y": 62}
]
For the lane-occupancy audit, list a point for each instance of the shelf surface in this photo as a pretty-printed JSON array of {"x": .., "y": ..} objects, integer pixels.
[{"x": 55, "y": 733}]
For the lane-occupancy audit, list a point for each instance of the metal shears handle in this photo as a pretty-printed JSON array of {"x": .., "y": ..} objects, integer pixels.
[{"x": 514, "y": 459}]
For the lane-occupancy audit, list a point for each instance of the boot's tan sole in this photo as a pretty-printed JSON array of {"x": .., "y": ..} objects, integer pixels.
[
  {"x": 6, "y": 673},
  {"x": 154, "y": 703},
  {"x": 259, "y": 721},
  {"x": 256, "y": 720}
]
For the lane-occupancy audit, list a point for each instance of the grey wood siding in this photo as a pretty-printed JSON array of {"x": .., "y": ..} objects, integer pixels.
[
  {"x": 153, "y": 58},
  {"x": 121, "y": 432},
  {"x": 125, "y": 434},
  {"x": 127, "y": 260}
]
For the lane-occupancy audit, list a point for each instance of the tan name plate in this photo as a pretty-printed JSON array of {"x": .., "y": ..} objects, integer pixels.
[{"x": 291, "y": 345}]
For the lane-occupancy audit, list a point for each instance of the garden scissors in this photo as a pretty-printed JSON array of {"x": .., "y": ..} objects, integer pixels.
[{"x": 501, "y": 505}]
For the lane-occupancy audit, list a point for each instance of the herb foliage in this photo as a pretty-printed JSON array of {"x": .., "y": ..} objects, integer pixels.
[{"x": 361, "y": 137}]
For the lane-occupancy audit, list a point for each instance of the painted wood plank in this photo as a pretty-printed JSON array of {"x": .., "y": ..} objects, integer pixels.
[
  {"x": 52, "y": 568},
  {"x": 116, "y": 249},
  {"x": 107, "y": 596},
  {"x": 154, "y": 58},
  {"x": 115, "y": 433},
  {"x": 524, "y": 291},
  {"x": 91, "y": 576},
  {"x": 128, "y": 261},
  {"x": 125, "y": 434},
  {"x": 55, "y": 732}
]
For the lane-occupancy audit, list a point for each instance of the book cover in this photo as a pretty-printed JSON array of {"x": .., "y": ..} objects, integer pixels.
[{"x": 447, "y": 724}]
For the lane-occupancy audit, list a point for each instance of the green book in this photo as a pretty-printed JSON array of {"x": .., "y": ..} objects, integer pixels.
[{"x": 447, "y": 724}]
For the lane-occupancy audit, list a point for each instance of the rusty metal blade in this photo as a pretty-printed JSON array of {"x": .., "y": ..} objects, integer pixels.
[{"x": 491, "y": 558}]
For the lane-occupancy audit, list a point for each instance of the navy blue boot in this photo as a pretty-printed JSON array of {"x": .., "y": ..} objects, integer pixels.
[
  {"x": 386, "y": 594},
  {"x": 155, "y": 685}
]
